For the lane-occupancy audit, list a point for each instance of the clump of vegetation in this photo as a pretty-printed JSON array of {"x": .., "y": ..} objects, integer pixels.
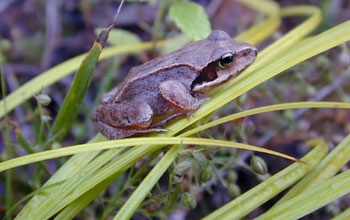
[{"x": 211, "y": 176}]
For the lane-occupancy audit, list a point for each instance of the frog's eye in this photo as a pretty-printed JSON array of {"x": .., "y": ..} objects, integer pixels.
[{"x": 226, "y": 60}]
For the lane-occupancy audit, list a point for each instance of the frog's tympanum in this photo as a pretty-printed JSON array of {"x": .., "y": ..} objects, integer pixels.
[{"x": 170, "y": 86}]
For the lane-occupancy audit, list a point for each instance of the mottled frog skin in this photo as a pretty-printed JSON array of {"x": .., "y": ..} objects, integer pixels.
[{"x": 170, "y": 86}]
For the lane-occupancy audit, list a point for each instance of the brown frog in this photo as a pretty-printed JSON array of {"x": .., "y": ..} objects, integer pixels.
[{"x": 170, "y": 86}]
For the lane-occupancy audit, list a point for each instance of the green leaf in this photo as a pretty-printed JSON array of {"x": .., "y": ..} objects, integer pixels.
[
  {"x": 191, "y": 19},
  {"x": 118, "y": 37}
]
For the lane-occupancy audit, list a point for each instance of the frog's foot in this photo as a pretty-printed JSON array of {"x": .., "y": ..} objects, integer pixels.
[
  {"x": 113, "y": 133},
  {"x": 133, "y": 115},
  {"x": 166, "y": 121},
  {"x": 176, "y": 94}
]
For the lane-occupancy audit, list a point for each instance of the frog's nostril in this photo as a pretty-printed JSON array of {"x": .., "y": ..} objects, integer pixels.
[{"x": 248, "y": 52}]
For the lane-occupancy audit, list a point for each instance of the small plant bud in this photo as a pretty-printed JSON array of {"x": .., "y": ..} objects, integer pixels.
[
  {"x": 258, "y": 165},
  {"x": 199, "y": 156},
  {"x": 234, "y": 190},
  {"x": 345, "y": 58},
  {"x": 152, "y": 206},
  {"x": 206, "y": 173},
  {"x": 188, "y": 200},
  {"x": 333, "y": 209},
  {"x": 43, "y": 99},
  {"x": 232, "y": 176},
  {"x": 183, "y": 167},
  {"x": 242, "y": 99},
  {"x": 46, "y": 118}
]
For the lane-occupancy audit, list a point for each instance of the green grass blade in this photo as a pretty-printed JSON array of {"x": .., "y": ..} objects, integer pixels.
[
  {"x": 70, "y": 168},
  {"x": 76, "y": 93},
  {"x": 329, "y": 166},
  {"x": 262, "y": 31},
  {"x": 270, "y": 108},
  {"x": 147, "y": 184},
  {"x": 311, "y": 199},
  {"x": 261, "y": 193},
  {"x": 127, "y": 142},
  {"x": 293, "y": 36},
  {"x": 67, "y": 189},
  {"x": 345, "y": 215}
]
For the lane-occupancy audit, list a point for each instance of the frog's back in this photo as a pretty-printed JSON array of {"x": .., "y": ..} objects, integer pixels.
[{"x": 195, "y": 57}]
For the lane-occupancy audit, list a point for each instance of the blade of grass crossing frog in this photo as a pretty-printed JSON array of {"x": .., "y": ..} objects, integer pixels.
[
  {"x": 81, "y": 83},
  {"x": 247, "y": 202}
]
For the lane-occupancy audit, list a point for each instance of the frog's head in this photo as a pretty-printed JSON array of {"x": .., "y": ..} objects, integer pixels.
[{"x": 227, "y": 60}]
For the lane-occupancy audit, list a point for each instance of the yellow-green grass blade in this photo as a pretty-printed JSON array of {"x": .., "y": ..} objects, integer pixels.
[
  {"x": 260, "y": 32},
  {"x": 68, "y": 188},
  {"x": 329, "y": 166},
  {"x": 147, "y": 184},
  {"x": 311, "y": 199},
  {"x": 270, "y": 108},
  {"x": 345, "y": 215},
  {"x": 123, "y": 143},
  {"x": 261, "y": 193},
  {"x": 70, "y": 168},
  {"x": 288, "y": 40}
]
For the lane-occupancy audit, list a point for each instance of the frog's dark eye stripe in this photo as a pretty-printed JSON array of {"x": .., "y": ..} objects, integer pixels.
[{"x": 226, "y": 60}]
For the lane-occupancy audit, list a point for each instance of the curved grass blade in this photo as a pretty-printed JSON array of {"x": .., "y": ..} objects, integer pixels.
[
  {"x": 261, "y": 193},
  {"x": 262, "y": 31},
  {"x": 127, "y": 142},
  {"x": 270, "y": 108},
  {"x": 311, "y": 199}
]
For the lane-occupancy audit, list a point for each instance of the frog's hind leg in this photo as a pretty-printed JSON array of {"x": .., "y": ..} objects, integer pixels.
[
  {"x": 108, "y": 96},
  {"x": 113, "y": 133},
  {"x": 167, "y": 120},
  {"x": 128, "y": 115}
]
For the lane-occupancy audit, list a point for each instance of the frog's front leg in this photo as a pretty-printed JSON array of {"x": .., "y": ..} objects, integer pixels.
[{"x": 176, "y": 93}]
